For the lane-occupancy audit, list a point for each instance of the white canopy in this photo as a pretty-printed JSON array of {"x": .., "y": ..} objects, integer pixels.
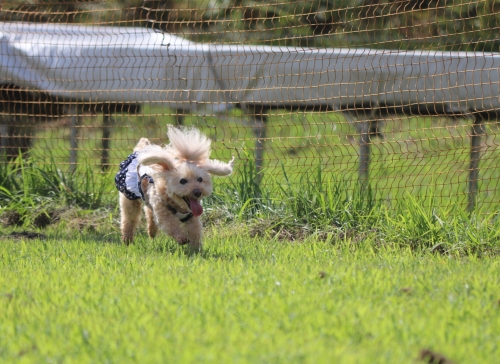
[{"x": 139, "y": 65}]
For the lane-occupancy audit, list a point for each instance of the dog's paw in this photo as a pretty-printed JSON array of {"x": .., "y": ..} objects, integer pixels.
[{"x": 183, "y": 241}]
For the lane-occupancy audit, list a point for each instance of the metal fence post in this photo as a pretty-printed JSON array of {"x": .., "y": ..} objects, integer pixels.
[
  {"x": 73, "y": 136},
  {"x": 477, "y": 130}
]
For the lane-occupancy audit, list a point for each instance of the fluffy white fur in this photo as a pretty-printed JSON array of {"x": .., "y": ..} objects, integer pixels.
[{"x": 181, "y": 174}]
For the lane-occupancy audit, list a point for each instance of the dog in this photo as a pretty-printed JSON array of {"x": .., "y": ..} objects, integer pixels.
[{"x": 169, "y": 183}]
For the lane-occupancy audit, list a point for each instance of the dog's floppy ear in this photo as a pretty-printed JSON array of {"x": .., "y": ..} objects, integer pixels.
[
  {"x": 156, "y": 157},
  {"x": 219, "y": 168}
]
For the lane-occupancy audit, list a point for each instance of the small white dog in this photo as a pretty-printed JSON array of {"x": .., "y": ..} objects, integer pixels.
[{"x": 171, "y": 181}]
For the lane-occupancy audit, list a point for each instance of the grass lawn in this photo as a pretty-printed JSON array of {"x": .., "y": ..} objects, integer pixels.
[
  {"x": 306, "y": 268},
  {"x": 83, "y": 297}
]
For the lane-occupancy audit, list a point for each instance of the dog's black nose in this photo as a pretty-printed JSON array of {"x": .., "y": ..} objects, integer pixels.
[{"x": 197, "y": 193}]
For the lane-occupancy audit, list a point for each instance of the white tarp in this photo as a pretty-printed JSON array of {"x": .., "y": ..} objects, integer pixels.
[{"x": 123, "y": 64}]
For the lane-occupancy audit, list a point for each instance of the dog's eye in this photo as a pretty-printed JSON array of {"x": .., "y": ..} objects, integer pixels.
[
  {"x": 200, "y": 179},
  {"x": 183, "y": 181}
]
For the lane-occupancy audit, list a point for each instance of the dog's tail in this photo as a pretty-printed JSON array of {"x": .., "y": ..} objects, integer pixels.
[{"x": 188, "y": 144}]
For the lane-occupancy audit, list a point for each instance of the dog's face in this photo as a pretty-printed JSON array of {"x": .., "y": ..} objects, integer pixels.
[
  {"x": 186, "y": 185},
  {"x": 182, "y": 171}
]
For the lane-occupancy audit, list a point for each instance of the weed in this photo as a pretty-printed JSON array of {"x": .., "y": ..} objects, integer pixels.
[
  {"x": 33, "y": 195},
  {"x": 322, "y": 205}
]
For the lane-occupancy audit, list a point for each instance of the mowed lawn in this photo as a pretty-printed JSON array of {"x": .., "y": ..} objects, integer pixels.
[{"x": 243, "y": 300}]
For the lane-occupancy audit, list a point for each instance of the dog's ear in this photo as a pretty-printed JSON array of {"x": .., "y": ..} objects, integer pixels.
[
  {"x": 157, "y": 158},
  {"x": 157, "y": 163},
  {"x": 219, "y": 168},
  {"x": 161, "y": 166}
]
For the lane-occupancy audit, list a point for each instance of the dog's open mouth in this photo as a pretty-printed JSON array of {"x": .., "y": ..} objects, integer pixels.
[{"x": 194, "y": 205}]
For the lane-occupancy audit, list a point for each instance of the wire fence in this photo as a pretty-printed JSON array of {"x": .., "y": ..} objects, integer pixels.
[{"x": 399, "y": 95}]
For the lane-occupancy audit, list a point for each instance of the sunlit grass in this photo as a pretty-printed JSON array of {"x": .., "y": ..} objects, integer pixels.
[
  {"x": 323, "y": 204},
  {"x": 314, "y": 270},
  {"x": 243, "y": 299}
]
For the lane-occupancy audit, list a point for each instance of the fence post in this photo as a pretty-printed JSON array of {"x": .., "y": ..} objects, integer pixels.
[
  {"x": 4, "y": 134},
  {"x": 73, "y": 135},
  {"x": 367, "y": 127},
  {"x": 259, "y": 120},
  {"x": 477, "y": 130},
  {"x": 179, "y": 116},
  {"x": 16, "y": 135},
  {"x": 106, "y": 140},
  {"x": 364, "y": 153}
]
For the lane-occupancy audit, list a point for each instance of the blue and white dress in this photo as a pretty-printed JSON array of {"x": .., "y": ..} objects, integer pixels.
[{"x": 129, "y": 177}]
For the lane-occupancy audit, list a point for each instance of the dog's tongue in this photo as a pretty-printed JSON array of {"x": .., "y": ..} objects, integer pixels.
[{"x": 196, "y": 207}]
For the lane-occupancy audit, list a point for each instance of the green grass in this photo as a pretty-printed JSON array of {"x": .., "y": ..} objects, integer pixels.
[
  {"x": 86, "y": 298},
  {"x": 321, "y": 204},
  {"x": 308, "y": 272},
  {"x": 417, "y": 155}
]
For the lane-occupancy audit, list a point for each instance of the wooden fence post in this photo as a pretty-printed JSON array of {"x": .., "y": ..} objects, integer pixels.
[{"x": 477, "y": 130}]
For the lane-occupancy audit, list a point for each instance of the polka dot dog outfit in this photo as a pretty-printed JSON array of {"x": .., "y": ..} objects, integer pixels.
[{"x": 128, "y": 179}]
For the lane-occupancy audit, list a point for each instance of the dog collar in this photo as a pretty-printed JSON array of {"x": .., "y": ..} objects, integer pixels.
[{"x": 183, "y": 217}]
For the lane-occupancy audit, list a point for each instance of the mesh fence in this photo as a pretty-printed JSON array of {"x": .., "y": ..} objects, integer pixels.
[{"x": 400, "y": 95}]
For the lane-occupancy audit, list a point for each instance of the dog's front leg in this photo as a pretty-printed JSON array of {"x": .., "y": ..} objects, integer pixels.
[
  {"x": 169, "y": 223},
  {"x": 130, "y": 211},
  {"x": 193, "y": 232},
  {"x": 174, "y": 229}
]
